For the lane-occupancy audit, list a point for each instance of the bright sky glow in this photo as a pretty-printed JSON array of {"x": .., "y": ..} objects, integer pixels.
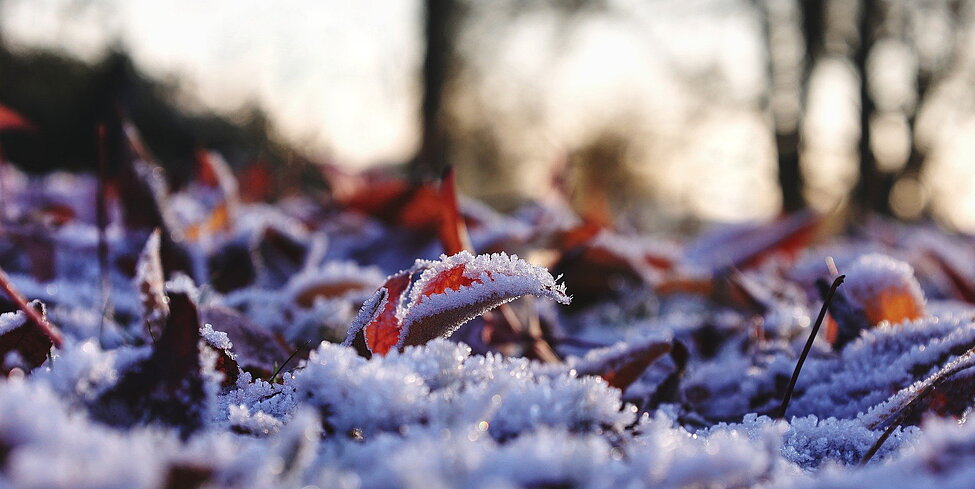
[{"x": 341, "y": 79}]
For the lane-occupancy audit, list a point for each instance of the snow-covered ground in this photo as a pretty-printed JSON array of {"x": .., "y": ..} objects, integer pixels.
[{"x": 251, "y": 345}]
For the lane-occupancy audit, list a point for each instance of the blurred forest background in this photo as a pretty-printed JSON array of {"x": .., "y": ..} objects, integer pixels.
[{"x": 666, "y": 112}]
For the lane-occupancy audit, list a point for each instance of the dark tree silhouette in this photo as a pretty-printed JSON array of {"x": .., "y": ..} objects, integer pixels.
[
  {"x": 871, "y": 192},
  {"x": 439, "y": 33},
  {"x": 788, "y": 142}
]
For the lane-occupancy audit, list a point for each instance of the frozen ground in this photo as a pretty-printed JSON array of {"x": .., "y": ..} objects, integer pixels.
[{"x": 211, "y": 354}]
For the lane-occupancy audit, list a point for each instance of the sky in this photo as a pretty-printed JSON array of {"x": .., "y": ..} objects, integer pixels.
[{"x": 341, "y": 79}]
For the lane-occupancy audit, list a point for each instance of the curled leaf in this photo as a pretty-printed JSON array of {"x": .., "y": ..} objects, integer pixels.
[
  {"x": 433, "y": 299},
  {"x": 151, "y": 284},
  {"x": 622, "y": 366},
  {"x": 745, "y": 246}
]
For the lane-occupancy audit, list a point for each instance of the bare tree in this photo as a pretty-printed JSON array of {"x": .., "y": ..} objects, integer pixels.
[
  {"x": 782, "y": 76},
  {"x": 441, "y": 17}
]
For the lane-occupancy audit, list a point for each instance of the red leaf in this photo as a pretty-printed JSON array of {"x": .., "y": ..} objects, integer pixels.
[
  {"x": 12, "y": 121},
  {"x": 748, "y": 245},
  {"x": 435, "y": 298},
  {"x": 383, "y": 331},
  {"x": 453, "y": 229}
]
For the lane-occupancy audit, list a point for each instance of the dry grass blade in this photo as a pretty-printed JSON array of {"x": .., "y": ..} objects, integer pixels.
[{"x": 809, "y": 343}]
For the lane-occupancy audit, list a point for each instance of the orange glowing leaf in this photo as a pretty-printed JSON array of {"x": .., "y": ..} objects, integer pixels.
[{"x": 893, "y": 304}]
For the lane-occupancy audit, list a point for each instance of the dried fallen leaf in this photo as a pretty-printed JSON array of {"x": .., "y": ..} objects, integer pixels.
[
  {"x": 435, "y": 298},
  {"x": 879, "y": 290},
  {"x": 746, "y": 246},
  {"x": 621, "y": 367},
  {"x": 255, "y": 349},
  {"x": 168, "y": 386},
  {"x": 453, "y": 229}
]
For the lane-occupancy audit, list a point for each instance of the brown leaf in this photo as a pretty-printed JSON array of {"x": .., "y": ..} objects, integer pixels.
[
  {"x": 167, "y": 387},
  {"x": 621, "y": 368},
  {"x": 255, "y": 349},
  {"x": 18, "y": 334}
]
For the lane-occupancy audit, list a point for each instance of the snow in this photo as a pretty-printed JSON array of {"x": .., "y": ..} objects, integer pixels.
[
  {"x": 10, "y": 321},
  {"x": 445, "y": 414},
  {"x": 216, "y": 339}
]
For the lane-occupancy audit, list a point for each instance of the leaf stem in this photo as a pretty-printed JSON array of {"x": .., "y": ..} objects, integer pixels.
[{"x": 32, "y": 315}]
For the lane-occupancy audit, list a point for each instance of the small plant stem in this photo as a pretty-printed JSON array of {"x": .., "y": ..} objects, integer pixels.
[
  {"x": 809, "y": 343},
  {"x": 281, "y": 367}
]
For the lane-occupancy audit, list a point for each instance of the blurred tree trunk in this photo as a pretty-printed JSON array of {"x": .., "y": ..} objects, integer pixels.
[
  {"x": 926, "y": 77},
  {"x": 440, "y": 26},
  {"x": 788, "y": 127},
  {"x": 872, "y": 191}
]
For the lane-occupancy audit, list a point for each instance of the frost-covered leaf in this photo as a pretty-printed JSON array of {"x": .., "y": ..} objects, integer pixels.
[
  {"x": 596, "y": 262},
  {"x": 950, "y": 390},
  {"x": 435, "y": 298},
  {"x": 335, "y": 280},
  {"x": 622, "y": 365},
  {"x": 22, "y": 345},
  {"x": 151, "y": 284},
  {"x": 254, "y": 348},
  {"x": 879, "y": 289},
  {"x": 170, "y": 386}
]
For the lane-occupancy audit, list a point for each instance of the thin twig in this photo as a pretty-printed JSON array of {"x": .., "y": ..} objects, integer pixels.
[
  {"x": 45, "y": 326},
  {"x": 879, "y": 443},
  {"x": 809, "y": 343}
]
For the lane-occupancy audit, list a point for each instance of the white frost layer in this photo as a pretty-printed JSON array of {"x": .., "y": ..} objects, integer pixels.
[{"x": 10, "y": 321}]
